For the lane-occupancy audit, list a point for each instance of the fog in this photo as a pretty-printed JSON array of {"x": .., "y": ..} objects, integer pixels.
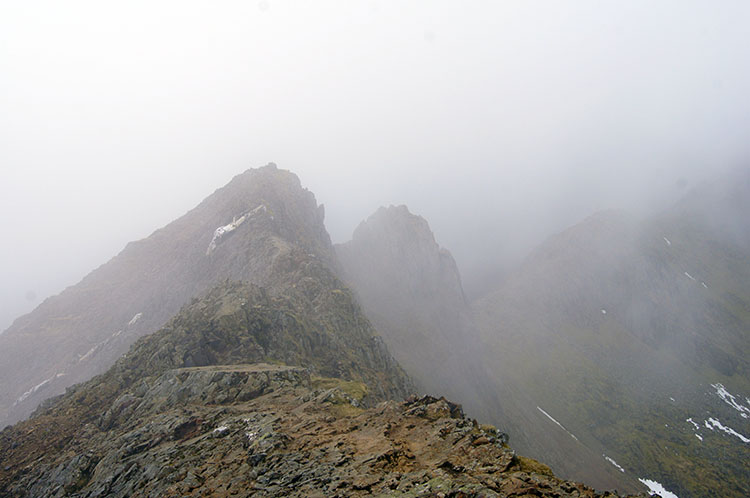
[{"x": 498, "y": 122}]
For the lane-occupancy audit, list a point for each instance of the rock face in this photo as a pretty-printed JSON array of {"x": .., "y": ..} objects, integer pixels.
[
  {"x": 82, "y": 331},
  {"x": 411, "y": 290},
  {"x": 211, "y": 385}
]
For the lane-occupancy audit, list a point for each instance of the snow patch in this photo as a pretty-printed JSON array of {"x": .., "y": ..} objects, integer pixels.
[
  {"x": 656, "y": 488},
  {"x": 221, "y": 429},
  {"x": 222, "y": 231},
  {"x": 135, "y": 319},
  {"x": 712, "y": 423},
  {"x": 34, "y": 389},
  {"x": 690, "y": 276},
  {"x": 610, "y": 460},
  {"x": 667, "y": 241},
  {"x": 704, "y": 285},
  {"x": 604, "y": 312},
  {"x": 693, "y": 423},
  {"x": 729, "y": 399},
  {"x": 89, "y": 353},
  {"x": 558, "y": 423},
  {"x": 695, "y": 426},
  {"x": 671, "y": 398}
]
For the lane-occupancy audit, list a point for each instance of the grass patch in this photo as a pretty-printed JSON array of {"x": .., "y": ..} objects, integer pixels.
[
  {"x": 532, "y": 466},
  {"x": 355, "y": 390}
]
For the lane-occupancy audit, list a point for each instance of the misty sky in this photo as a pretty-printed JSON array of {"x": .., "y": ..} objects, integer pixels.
[{"x": 500, "y": 122}]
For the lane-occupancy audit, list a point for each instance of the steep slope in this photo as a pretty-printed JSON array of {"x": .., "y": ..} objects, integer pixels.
[
  {"x": 635, "y": 337},
  {"x": 240, "y": 232},
  {"x": 410, "y": 288},
  {"x": 153, "y": 425}
]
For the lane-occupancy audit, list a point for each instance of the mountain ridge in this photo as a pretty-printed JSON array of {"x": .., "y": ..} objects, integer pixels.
[
  {"x": 581, "y": 354},
  {"x": 262, "y": 429},
  {"x": 81, "y": 331}
]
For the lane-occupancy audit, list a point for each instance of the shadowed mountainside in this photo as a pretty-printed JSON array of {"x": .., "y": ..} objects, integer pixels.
[{"x": 634, "y": 336}]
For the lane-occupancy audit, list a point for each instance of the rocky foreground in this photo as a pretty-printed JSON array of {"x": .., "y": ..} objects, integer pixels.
[{"x": 272, "y": 430}]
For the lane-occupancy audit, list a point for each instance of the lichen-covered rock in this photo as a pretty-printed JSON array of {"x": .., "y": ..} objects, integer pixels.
[{"x": 289, "y": 439}]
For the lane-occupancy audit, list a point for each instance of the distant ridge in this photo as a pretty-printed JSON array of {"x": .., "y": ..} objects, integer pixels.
[{"x": 635, "y": 336}]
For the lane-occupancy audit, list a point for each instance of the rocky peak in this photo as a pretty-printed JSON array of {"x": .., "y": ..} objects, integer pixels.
[
  {"x": 277, "y": 194},
  {"x": 411, "y": 290},
  {"x": 395, "y": 252},
  {"x": 253, "y": 229}
]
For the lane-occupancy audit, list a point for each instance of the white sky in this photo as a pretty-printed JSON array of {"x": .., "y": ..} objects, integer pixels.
[{"x": 497, "y": 121}]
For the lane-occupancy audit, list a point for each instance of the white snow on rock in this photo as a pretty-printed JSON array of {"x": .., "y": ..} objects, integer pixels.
[
  {"x": 695, "y": 426},
  {"x": 221, "y": 429},
  {"x": 220, "y": 232},
  {"x": 690, "y": 276},
  {"x": 135, "y": 319},
  {"x": 612, "y": 461},
  {"x": 604, "y": 312},
  {"x": 712, "y": 423},
  {"x": 704, "y": 285},
  {"x": 729, "y": 399},
  {"x": 667, "y": 241},
  {"x": 34, "y": 389},
  {"x": 89, "y": 353},
  {"x": 558, "y": 423},
  {"x": 656, "y": 488}
]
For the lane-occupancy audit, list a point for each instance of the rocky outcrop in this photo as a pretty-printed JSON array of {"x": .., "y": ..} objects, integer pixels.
[
  {"x": 274, "y": 431},
  {"x": 212, "y": 385},
  {"x": 196, "y": 362},
  {"x": 252, "y": 225},
  {"x": 411, "y": 290}
]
